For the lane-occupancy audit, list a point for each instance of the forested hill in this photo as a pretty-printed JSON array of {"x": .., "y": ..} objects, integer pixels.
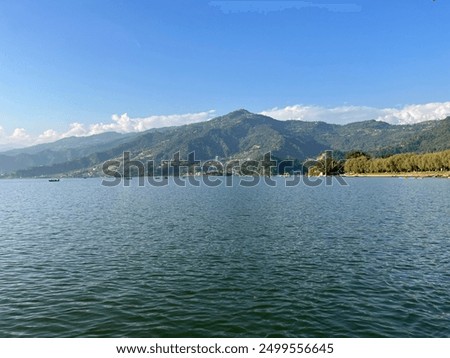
[{"x": 241, "y": 135}]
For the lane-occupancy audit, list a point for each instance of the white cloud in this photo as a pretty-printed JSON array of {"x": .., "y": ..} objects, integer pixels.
[
  {"x": 124, "y": 124},
  {"x": 343, "y": 114},
  {"x": 48, "y": 136},
  {"x": 416, "y": 113},
  {"x": 20, "y": 134},
  {"x": 119, "y": 123},
  {"x": 409, "y": 114},
  {"x": 76, "y": 130},
  {"x": 18, "y": 138}
]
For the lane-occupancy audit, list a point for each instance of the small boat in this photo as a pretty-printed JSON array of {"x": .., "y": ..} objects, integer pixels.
[{"x": 53, "y": 180}]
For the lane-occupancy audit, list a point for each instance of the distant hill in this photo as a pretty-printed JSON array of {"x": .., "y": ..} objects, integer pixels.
[
  {"x": 240, "y": 135},
  {"x": 63, "y": 150}
]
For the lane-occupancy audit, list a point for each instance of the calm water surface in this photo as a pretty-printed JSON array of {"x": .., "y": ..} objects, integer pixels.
[{"x": 371, "y": 259}]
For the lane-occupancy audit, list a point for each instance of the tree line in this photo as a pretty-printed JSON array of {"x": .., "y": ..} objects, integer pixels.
[{"x": 359, "y": 163}]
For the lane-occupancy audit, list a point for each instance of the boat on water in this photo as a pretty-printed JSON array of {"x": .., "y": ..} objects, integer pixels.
[{"x": 53, "y": 180}]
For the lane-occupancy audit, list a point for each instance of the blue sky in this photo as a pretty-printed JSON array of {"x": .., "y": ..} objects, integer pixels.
[{"x": 67, "y": 66}]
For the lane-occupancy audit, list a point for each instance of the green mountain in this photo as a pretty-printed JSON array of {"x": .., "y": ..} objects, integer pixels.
[{"x": 241, "y": 135}]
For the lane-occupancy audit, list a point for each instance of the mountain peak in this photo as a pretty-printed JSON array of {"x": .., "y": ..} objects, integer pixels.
[
  {"x": 239, "y": 112},
  {"x": 242, "y": 110},
  {"x": 242, "y": 115},
  {"x": 236, "y": 115}
]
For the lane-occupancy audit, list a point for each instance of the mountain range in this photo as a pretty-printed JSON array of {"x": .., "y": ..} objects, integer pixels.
[{"x": 238, "y": 135}]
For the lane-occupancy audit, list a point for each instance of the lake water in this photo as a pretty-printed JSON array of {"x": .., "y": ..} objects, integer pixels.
[{"x": 371, "y": 259}]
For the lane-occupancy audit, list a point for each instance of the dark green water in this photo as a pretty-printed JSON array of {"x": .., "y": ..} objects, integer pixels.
[{"x": 371, "y": 259}]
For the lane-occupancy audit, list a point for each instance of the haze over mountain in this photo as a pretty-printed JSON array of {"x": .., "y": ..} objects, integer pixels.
[{"x": 239, "y": 134}]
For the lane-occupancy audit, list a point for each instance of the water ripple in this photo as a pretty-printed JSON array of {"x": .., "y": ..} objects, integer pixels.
[{"x": 367, "y": 260}]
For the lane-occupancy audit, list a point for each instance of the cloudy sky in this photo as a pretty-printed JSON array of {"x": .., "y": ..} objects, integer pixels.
[{"x": 89, "y": 66}]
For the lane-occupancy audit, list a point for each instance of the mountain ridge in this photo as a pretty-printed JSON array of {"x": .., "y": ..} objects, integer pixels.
[{"x": 244, "y": 135}]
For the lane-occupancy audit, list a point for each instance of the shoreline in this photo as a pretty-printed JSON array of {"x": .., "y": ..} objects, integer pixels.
[
  {"x": 429, "y": 174},
  {"x": 443, "y": 174}
]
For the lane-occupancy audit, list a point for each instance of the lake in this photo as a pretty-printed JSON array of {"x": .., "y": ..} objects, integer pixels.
[{"x": 370, "y": 259}]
